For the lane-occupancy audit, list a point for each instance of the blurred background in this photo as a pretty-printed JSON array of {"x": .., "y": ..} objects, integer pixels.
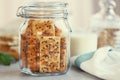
[{"x": 80, "y": 12}]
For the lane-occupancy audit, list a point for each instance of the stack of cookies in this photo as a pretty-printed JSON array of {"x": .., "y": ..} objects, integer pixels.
[{"x": 43, "y": 47}]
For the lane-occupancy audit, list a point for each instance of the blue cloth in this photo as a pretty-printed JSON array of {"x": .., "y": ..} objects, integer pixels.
[{"x": 83, "y": 58}]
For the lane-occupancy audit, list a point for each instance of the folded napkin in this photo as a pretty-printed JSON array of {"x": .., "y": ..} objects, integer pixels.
[{"x": 103, "y": 63}]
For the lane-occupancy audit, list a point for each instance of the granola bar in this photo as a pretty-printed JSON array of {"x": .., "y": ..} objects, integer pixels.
[
  {"x": 63, "y": 55},
  {"x": 49, "y": 54}
]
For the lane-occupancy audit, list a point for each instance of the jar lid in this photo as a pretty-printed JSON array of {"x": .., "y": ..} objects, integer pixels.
[
  {"x": 46, "y": 4},
  {"x": 107, "y": 3},
  {"x": 43, "y": 10}
]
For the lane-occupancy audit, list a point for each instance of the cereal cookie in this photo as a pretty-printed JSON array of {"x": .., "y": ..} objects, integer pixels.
[{"x": 49, "y": 54}]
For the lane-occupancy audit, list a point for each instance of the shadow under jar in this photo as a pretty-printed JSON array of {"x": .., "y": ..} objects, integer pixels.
[{"x": 44, "y": 39}]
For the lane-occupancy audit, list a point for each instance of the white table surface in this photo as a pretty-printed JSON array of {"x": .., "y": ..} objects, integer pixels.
[{"x": 12, "y": 72}]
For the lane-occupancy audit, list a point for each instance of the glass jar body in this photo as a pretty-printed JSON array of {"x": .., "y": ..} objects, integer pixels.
[
  {"x": 106, "y": 24},
  {"x": 108, "y": 37},
  {"x": 44, "y": 46},
  {"x": 108, "y": 32}
]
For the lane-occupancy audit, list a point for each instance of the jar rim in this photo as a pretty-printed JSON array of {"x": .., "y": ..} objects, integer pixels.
[
  {"x": 46, "y": 4},
  {"x": 43, "y": 9}
]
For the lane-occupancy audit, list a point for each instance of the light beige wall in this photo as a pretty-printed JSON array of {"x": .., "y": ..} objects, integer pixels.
[{"x": 80, "y": 11}]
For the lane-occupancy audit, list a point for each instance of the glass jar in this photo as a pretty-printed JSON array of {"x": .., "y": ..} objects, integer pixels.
[
  {"x": 44, "y": 38},
  {"x": 107, "y": 25}
]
